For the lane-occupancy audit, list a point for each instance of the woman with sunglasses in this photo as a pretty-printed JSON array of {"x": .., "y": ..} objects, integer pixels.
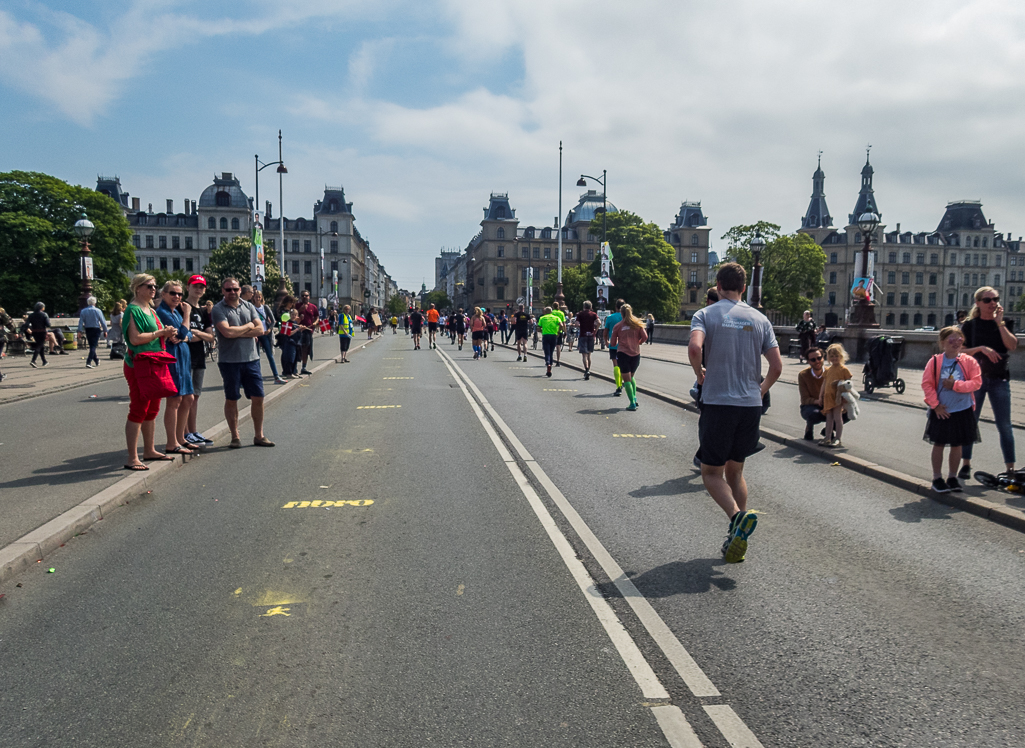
[
  {"x": 987, "y": 338},
  {"x": 142, "y": 332},
  {"x": 173, "y": 313}
]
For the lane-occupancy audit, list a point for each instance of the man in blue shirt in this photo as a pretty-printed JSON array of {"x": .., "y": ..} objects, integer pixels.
[
  {"x": 611, "y": 321},
  {"x": 90, "y": 320}
]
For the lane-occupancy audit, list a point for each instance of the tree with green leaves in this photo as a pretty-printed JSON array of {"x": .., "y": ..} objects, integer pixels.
[
  {"x": 232, "y": 260},
  {"x": 39, "y": 251},
  {"x": 646, "y": 272},
  {"x": 440, "y": 300},
  {"x": 396, "y": 305},
  {"x": 577, "y": 286},
  {"x": 792, "y": 266}
]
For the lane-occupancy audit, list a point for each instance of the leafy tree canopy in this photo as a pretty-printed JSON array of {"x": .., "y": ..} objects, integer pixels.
[
  {"x": 646, "y": 272},
  {"x": 232, "y": 260},
  {"x": 396, "y": 305},
  {"x": 791, "y": 266},
  {"x": 39, "y": 251},
  {"x": 440, "y": 300},
  {"x": 577, "y": 286}
]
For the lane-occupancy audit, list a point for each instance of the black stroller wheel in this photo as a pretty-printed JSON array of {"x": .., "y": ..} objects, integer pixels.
[
  {"x": 870, "y": 384},
  {"x": 899, "y": 386},
  {"x": 987, "y": 479}
]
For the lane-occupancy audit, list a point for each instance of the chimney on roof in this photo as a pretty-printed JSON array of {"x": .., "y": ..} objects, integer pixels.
[
  {"x": 150, "y": 208},
  {"x": 136, "y": 204},
  {"x": 193, "y": 207},
  {"x": 268, "y": 211},
  {"x": 170, "y": 205},
  {"x": 226, "y": 176},
  {"x": 898, "y": 228},
  {"x": 186, "y": 201}
]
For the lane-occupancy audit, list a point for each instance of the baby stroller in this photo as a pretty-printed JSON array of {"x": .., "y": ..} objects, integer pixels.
[{"x": 881, "y": 367}]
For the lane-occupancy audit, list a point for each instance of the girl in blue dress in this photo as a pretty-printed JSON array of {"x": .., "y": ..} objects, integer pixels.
[{"x": 172, "y": 312}]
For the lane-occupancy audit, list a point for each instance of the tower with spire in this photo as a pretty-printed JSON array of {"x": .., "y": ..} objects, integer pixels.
[
  {"x": 866, "y": 198},
  {"x": 817, "y": 222}
]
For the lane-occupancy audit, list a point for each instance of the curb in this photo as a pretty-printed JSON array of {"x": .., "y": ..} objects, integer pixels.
[
  {"x": 29, "y": 549},
  {"x": 41, "y": 393},
  {"x": 1003, "y": 515}
]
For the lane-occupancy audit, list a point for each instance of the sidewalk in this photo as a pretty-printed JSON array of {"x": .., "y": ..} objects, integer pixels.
[{"x": 912, "y": 397}]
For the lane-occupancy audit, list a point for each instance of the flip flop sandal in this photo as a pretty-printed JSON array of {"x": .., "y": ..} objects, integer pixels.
[
  {"x": 165, "y": 458},
  {"x": 135, "y": 468}
]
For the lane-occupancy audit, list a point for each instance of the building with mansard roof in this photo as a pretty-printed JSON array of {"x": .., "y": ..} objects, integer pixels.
[
  {"x": 183, "y": 240},
  {"x": 690, "y": 237},
  {"x": 921, "y": 278}
]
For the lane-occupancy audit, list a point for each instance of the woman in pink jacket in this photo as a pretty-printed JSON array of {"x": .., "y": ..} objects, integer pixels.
[
  {"x": 948, "y": 382},
  {"x": 629, "y": 335}
]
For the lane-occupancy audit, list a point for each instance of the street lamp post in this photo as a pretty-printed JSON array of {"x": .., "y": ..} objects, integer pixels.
[
  {"x": 260, "y": 166},
  {"x": 84, "y": 229},
  {"x": 560, "y": 298},
  {"x": 320, "y": 244},
  {"x": 754, "y": 296},
  {"x": 864, "y": 314},
  {"x": 582, "y": 182}
]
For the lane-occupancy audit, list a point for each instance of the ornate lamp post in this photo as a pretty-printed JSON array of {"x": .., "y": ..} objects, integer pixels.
[
  {"x": 260, "y": 166},
  {"x": 863, "y": 314},
  {"x": 754, "y": 296},
  {"x": 582, "y": 182},
  {"x": 84, "y": 229}
]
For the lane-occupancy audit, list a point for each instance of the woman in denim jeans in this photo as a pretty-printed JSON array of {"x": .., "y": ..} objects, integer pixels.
[
  {"x": 266, "y": 341},
  {"x": 989, "y": 341}
]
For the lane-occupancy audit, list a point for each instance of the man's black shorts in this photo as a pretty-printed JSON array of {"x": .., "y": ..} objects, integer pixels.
[
  {"x": 416, "y": 329},
  {"x": 432, "y": 326},
  {"x": 521, "y": 335},
  {"x": 728, "y": 432}
]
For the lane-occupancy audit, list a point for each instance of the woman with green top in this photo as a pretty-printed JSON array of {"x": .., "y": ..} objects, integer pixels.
[
  {"x": 627, "y": 338},
  {"x": 142, "y": 332}
]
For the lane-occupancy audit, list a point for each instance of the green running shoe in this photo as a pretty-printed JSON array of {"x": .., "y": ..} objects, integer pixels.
[{"x": 740, "y": 530}]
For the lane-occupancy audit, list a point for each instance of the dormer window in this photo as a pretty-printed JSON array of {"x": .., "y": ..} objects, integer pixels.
[
  {"x": 222, "y": 199},
  {"x": 500, "y": 211}
]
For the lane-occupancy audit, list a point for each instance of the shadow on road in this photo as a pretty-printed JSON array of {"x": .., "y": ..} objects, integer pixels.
[
  {"x": 604, "y": 412},
  {"x": 71, "y": 471},
  {"x": 924, "y": 508},
  {"x": 678, "y": 578},
  {"x": 672, "y": 487}
]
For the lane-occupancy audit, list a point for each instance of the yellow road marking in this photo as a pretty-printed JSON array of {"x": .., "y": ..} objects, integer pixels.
[
  {"x": 640, "y": 436},
  {"x": 459, "y": 589},
  {"x": 376, "y": 407},
  {"x": 318, "y": 504},
  {"x": 276, "y": 611},
  {"x": 399, "y": 358},
  {"x": 354, "y": 451},
  {"x": 396, "y": 377},
  {"x": 238, "y": 591}
]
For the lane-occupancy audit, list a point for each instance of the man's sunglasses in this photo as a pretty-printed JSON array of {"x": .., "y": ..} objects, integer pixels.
[
  {"x": 174, "y": 293},
  {"x": 231, "y": 290},
  {"x": 813, "y": 360},
  {"x": 990, "y": 299}
]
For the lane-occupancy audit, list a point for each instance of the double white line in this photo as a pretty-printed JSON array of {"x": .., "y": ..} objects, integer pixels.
[{"x": 674, "y": 724}]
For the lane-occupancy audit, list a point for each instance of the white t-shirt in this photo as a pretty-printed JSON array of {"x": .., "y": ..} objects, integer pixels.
[{"x": 736, "y": 337}]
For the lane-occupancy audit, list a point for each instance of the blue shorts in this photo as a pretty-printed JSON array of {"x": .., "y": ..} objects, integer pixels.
[{"x": 246, "y": 375}]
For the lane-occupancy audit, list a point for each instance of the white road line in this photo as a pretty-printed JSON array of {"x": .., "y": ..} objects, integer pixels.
[
  {"x": 675, "y": 726},
  {"x": 732, "y": 727},
  {"x": 725, "y": 718},
  {"x": 692, "y": 674},
  {"x": 645, "y": 677}
]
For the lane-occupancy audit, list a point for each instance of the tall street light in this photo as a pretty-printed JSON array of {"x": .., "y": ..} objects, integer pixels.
[
  {"x": 84, "y": 229},
  {"x": 260, "y": 166},
  {"x": 754, "y": 296},
  {"x": 864, "y": 314},
  {"x": 582, "y": 182},
  {"x": 560, "y": 298},
  {"x": 323, "y": 272}
]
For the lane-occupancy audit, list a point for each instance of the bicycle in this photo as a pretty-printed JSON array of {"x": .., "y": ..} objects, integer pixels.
[{"x": 1012, "y": 482}]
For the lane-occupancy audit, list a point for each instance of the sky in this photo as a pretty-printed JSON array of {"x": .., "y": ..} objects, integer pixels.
[{"x": 420, "y": 109}]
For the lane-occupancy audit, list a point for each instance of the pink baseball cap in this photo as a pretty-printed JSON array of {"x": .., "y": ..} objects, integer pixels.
[{"x": 197, "y": 279}]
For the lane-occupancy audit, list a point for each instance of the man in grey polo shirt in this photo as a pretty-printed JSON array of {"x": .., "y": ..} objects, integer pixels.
[
  {"x": 237, "y": 326},
  {"x": 734, "y": 338}
]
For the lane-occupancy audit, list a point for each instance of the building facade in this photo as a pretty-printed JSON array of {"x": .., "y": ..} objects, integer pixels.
[
  {"x": 690, "y": 237},
  {"x": 922, "y": 279},
  {"x": 183, "y": 241}
]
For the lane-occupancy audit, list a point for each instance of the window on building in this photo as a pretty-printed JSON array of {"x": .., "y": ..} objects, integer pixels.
[
  {"x": 295, "y": 267},
  {"x": 188, "y": 242},
  {"x": 234, "y": 224},
  {"x": 500, "y": 293},
  {"x": 932, "y": 298},
  {"x": 548, "y": 253},
  {"x": 931, "y": 319},
  {"x": 999, "y": 261},
  {"x": 295, "y": 245},
  {"x": 694, "y": 241},
  {"x": 309, "y": 288},
  {"x": 149, "y": 263},
  {"x": 162, "y": 240},
  {"x": 334, "y": 265},
  {"x": 890, "y": 298},
  {"x": 135, "y": 240},
  {"x": 590, "y": 254},
  {"x": 307, "y": 246},
  {"x": 918, "y": 319},
  {"x": 982, "y": 279},
  {"x": 525, "y": 253},
  {"x": 308, "y": 267},
  {"x": 694, "y": 258},
  {"x": 224, "y": 224},
  {"x": 176, "y": 263},
  {"x": 149, "y": 242},
  {"x": 501, "y": 251},
  {"x": 985, "y": 260},
  {"x": 890, "y": 319},
  {"x": 996, "y": 279},
  {"x": 919, "y": 278},
  {"x": 904, "y": 299},
  {"x": 334, "y": 246},
  {"x": 832, "y": 278},
  {"x": 892, "y": 257},
  {"x": 500, "y": 233},
  {"x": 832, "y": 298},
  {"x": 537, "y": 253},
  {"x": 953, "y": 258},
  {"x": 950, "y": 299},
  {"x": 857, "y": 237},
  {"x": 905, "y": 278},
  {"x": 984, "y": 240},
  {"x": 693, "y": 296},
  {"x": 334, "y": 227},
  {"x": 918, "y": 299},
  {"x": 211, "y": 243},
  {"x": 975, "y": 279},
  {"x": 693, "y": 276},
  {"x": 934, "y": 259},
  {"x": 832, "y": 258},
  {"x": 500, "y": 271},
  {"x": 920, "y": 258},
  {"x": 189, "y": 266},
  {"x": 163, "y": 263},
  {"x": 211, "y": 223},
  {"x": 523, "y": 274},
  {"x": 891, "y": 276},
  {"x": 223, "y": 241},
  {"x": 906, "y": 258},
  {"x": 904, "y": 318}
]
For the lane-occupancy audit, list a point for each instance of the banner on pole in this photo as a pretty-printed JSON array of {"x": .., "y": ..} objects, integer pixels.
[
  {"x": 258, "y": 270},
  {"x": 530, "y": 288}
]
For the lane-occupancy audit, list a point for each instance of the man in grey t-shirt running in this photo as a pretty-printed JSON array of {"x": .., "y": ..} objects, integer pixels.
[{"x": 735, "y": 337}]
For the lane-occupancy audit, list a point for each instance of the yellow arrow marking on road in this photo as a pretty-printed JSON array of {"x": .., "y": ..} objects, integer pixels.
[
  {"x": 319, "y": 504},
  {"x": 640, "y": 436}
]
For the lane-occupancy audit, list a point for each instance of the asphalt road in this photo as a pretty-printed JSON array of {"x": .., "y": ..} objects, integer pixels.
[{"x": 207, "y": 613}]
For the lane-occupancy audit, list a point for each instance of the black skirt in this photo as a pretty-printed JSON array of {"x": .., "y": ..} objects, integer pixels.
[{"x": 956, "y": 431}]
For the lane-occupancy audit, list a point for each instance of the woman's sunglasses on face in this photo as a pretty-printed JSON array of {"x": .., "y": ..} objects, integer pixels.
[{"x": 990, "y": 299}]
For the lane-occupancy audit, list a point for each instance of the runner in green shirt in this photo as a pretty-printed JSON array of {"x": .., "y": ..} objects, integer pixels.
[{"x": 551, "y": 325}]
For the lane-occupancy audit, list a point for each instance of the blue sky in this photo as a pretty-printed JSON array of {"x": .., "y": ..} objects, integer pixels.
[{"x": 421, "y": 109}]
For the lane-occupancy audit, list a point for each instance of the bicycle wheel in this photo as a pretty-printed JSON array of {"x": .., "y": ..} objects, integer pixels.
[{"x": 987, "y": 479}]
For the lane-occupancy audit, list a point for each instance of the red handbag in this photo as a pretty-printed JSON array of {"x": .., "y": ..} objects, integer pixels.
[{"x": 152, "y": 376}]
